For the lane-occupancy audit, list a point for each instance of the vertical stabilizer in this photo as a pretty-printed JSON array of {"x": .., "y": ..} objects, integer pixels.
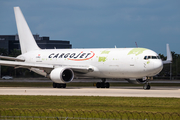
[
  {"x": 169, "y": 55},
  {"x": 168, "y": 51},
  {"x": 26, "y": 39}
]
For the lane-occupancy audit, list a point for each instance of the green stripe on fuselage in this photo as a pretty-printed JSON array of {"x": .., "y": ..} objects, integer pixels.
[
  {"x": 102, "y": 59},
  {"x": 137, "y": 51}
]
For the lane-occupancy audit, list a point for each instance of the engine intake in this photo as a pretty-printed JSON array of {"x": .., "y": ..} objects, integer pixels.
[{"x": 62, "y": 75}]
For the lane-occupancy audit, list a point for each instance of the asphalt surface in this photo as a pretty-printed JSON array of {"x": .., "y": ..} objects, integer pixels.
[
  {"x": 131, "y": 91},
  {"x": 170, "y": 92}
]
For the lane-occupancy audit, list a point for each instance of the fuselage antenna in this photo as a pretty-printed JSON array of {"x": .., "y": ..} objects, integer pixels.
[{"x": 136, "y": 44}]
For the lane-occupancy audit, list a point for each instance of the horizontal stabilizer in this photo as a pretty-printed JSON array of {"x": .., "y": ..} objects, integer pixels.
[{"x": 11, "y": 58}]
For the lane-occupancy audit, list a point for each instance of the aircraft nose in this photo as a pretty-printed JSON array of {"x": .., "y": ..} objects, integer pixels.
[{"x": 158, "y": 66}]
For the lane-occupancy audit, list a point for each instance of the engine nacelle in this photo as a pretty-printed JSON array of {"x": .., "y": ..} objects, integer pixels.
[
  {"x": 62, "y": 75},
  {"x": 136, "y": 81}
]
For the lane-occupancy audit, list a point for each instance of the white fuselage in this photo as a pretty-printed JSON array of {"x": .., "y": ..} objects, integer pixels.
[{"x": 106, "y": 63}]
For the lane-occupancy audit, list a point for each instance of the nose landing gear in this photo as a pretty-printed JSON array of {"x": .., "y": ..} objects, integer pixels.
[{"x": 146, "y": 85}]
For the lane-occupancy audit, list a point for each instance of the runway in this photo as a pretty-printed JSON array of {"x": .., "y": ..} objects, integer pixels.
[{"x": 170, "y": 92}]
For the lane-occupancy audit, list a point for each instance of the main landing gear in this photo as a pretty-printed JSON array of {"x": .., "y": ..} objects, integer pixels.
[
  {"x": 59, "y": 85},
  {"x": 103, "y": 84}
]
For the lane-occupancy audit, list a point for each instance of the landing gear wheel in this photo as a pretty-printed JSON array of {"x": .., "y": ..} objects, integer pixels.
[
  {"x": 107, "y": 85},
  {"x": 98, "y": 84},
  {"x": 64, "y": 86},
  {"x": 59, "y": 85},
  {"x": 146, "y": 87},
  {"x": 54, "y": 85},
  {"x": 103, "y": 84}
]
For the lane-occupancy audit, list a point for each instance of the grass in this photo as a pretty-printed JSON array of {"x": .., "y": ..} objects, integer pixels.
[
  {"x": 13, "y": 107},
  {"x": 93, "y": 107},
  {"x": 169, "y": 105}
]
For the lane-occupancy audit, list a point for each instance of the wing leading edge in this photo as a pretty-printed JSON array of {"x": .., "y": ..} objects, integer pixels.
[{"x": 45, "y": 67}]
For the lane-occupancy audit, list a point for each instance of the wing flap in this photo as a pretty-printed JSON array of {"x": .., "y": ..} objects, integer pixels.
[{"x": 49, "y": 67}]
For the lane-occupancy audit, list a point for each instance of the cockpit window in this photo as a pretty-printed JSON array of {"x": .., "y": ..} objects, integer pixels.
[
  {"x": 145, "y": 57},
  {"x": 154, "y": 57},
  {"x": 151, "y": 57},
  {"x": 158, "y": 57}
]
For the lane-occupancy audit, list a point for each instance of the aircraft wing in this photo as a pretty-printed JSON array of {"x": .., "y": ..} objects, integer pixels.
[
  {"x": 24, "y": 64},
  {"x": 46, "y": 67}
]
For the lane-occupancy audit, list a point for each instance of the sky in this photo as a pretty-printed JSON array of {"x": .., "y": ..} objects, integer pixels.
[{"x": 99, "y": 23}]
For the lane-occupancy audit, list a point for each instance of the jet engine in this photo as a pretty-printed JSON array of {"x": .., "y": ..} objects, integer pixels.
[
  {"x": 136, "y": 81},
  {"x": 62, "y": 75}
]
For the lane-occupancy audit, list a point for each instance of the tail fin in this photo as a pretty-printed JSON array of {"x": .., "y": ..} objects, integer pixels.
[
  {"x": 26, "y": 39},
  {"x": 169, "y": 55}
]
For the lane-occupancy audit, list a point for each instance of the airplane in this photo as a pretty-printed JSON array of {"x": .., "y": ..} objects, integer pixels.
[{"x": 136, "y": 65}]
